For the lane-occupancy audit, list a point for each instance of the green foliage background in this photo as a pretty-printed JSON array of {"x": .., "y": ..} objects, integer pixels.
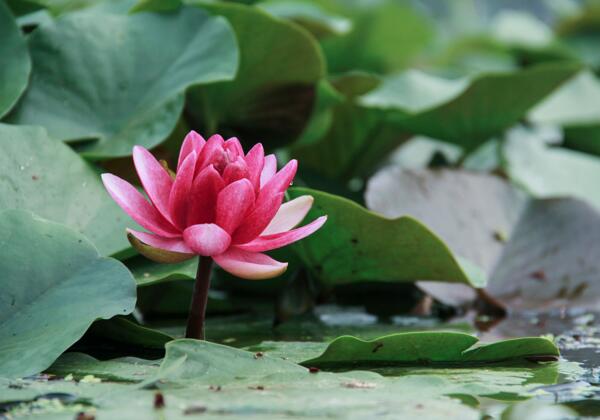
[{"x": 454, "y": 146}]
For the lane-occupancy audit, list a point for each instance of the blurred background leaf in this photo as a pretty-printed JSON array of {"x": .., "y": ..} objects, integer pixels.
[{"x": 272, "y": 95}]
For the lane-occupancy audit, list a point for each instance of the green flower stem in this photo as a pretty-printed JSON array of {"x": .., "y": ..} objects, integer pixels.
[{"x": 195, "y": 324}]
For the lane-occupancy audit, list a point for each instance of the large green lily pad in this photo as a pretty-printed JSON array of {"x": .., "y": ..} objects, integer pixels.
[
  {"x": 425, "y": 348},
  {"x": 358, "y": 245},
  {"x": 15, "y": 64},
  {"x": 273, "y": 93},
  {"x": 465, "y": 112},
  {"x": 269, "y": 386},
  {"x": 278, "y": 395},
  {"x": 46, "y": 177},
  {"x": 190, "y": 365},
  {"x": 368, "y": 123},
  {"x": 194, "y": 361},
  {"x": 85, "y": 85},
  {"x": 55, "y": 284}
]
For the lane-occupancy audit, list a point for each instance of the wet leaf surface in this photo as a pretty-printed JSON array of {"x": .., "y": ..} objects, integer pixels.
[
  {"x": 430, "y": 348},
  {"x": 221, "y": 380},
  {"x": 46, "y": 177},
  {"x": 358, "y": 245},
  {"x": 127, "y": 93},
  {"x": 15, "y": 64},
  {"x": 266, "y": 381},
  {"x": 37, "y": 296},
  {"x": 127, "y": 369}
]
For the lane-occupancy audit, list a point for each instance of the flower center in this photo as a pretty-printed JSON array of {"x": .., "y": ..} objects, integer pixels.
[{"x": 221, "y": 161}]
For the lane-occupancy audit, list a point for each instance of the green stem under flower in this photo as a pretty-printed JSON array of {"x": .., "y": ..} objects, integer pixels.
[{"x": 195, "y": 324}]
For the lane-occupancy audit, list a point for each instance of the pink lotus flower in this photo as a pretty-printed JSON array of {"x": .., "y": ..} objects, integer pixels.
[{"x": 222, "y": 204}]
